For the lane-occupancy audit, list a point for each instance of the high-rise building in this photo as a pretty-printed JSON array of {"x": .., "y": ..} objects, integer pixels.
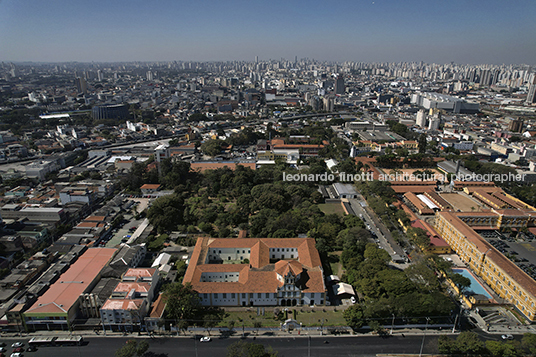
[
  {"x": 150, "y": 76},
  {"x": 531, "y": 95},
  {"x": 81, "y": 85},
  {"x": 100, "y": 75},
  {"x": 329, "y": 104},
  {"x": 515, "y": 125},
  {"x": 434, "y": 124},
  {"x": 421, "y": 118},
  {"x": 339, "y": 85}
]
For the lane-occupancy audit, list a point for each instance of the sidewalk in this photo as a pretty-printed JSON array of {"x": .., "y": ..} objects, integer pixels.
[{"x": 237, "y": 333}]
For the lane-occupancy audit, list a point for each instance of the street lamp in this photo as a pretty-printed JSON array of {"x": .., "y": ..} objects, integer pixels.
[
  {"x": 393, "y": 324},
  {"x": 423, "y": 336}
]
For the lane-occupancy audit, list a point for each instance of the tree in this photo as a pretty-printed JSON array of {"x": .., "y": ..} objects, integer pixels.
[
  {"x": 258, "y": 325},
  {"x": 460, "y": 281},
  {"x": 422, "y": 143},
  {"x": 249, "y": 349},
  {"x": 354, "y": 316},
  {"x": 469, "y": 343},
  {"x": 133, "y": 348},
  {"x": 182, "y": 303},
  {"x": 529, "y": 342},
  {"x": 212, "y": 319},
  {"x": 166, "y": 213},
  {"x": 212, "y": 147}
]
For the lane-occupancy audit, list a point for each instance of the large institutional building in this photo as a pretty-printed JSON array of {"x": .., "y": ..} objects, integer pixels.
[
  {"x": 257, "y": 272},
  {"x": 472, "y": 236}
]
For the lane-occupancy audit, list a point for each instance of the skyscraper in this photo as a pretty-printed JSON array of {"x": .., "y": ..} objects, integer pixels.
[
  {"x": 81, "y": 85},
  {"x": 531, "y": 95},
  {"x": 339, "y": 85},
  {"x": 421, "y": 118}
]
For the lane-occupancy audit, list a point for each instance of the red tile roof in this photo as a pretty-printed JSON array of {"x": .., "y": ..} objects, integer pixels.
[
  {"x": 259, "y": 276},
  {"x": 64, "y": 293}
]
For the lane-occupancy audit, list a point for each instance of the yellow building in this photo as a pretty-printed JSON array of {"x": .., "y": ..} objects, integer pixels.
[{"x": 502, "y": 275}]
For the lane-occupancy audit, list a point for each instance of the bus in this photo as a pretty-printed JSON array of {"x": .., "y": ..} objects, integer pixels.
[
  {"x": 42, "y": 341},
  {"x": 69, "y": 341}
]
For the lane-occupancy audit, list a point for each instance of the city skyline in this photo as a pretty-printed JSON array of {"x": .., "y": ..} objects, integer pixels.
[{"x": 366, "y": 31}]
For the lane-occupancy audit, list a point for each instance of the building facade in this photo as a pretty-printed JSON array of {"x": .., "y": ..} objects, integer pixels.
[{"x": 264, "y": 272}]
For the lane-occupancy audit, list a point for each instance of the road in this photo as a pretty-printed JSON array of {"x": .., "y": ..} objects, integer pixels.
[
  {"x": 296, "y": 346},
  {"x": 387, "y": 242}
]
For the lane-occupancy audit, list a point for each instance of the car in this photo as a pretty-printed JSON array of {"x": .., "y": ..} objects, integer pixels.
[
  {"x": 16, "y": 354},
  {"x": 205, "y": 339},
  {"x": 353, "y": 300},
  {"x": 17, "y": 344},
  {"x": 507, "y": 337},
  {"x": 18, "y": 349},
  {"x": 31, "y": 349},
  {"x": 2, "y": 349}
]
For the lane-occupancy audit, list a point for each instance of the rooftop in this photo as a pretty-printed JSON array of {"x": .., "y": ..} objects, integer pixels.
[{"x": 64, "y": 293}]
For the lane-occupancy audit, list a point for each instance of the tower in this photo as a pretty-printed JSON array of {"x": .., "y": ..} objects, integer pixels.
[
  {"x": 421, "y": 118},
  {"x": 81, "y": 85},
  {"x": 339, "y": 85}
]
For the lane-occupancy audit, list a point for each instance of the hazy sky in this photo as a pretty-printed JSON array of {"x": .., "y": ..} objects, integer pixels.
[{"x": 440, "y": 31}]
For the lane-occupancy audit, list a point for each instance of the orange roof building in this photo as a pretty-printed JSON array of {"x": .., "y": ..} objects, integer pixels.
[
  {"x": 257, "y": 272},
  {"x": 202, "y": 166},
  {"x": 58, "y": 306},
  {"x": 509, "y": 281}
]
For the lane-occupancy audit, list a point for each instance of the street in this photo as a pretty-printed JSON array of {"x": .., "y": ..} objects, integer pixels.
[{"x": 295, "y": 346}]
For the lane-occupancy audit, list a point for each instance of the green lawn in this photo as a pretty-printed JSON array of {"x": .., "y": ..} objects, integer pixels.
[
  {"x": 330, "y": 208},
  {"x": 307, "y": 318}
]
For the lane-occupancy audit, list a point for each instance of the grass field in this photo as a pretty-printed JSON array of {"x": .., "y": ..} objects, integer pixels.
[
  {"x": 309, "y": 317},
  {"x": 330, "y": 208}
]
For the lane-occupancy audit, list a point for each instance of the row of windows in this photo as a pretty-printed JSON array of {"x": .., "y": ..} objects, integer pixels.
[
  {"x": 244, "y": 295},
  {"x": 283, "y": 249},
  {"x": 237, "y": 251}
]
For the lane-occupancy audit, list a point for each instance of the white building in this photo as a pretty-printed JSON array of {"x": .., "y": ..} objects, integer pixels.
[{"x": 264, "y": 272}]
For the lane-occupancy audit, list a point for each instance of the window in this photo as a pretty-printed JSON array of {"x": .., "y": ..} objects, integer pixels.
[
  {"x": 292, "y": 256},
  {"x": 268, "y": 296},
  {"x": 219, "y": 251},
  {"x": 259, "y": 295},
  {"x": 205, "y": 296},
  {"x": 249, "y": 251},
  {"x": 243, "y": 295},
  {"x": 228, "y": 258},
  {"x": 233, "y": 295},
  {"x": 312, "y": 295},
  {"x": 278, "y": 249},
  {"x": 215, "y": 295},
  {"x": 273, "y": 256},
  {"x": 224, "y": 295}
]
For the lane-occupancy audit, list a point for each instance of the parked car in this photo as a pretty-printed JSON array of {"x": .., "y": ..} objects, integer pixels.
[
  {"x": 16, "y": 354},
  {"x": 205, "y": 339},
  {"x": 507, "y": 337},
  {"x": 17, "y": 344}
]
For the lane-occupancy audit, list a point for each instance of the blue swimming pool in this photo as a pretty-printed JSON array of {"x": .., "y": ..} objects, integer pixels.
[{"x": 476, "y": 287}]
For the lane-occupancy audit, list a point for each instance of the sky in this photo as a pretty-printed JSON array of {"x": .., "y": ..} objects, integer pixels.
[{"x": 433, "y": 31}]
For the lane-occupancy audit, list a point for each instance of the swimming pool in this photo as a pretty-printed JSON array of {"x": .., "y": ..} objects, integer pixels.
[{"x": 476, "y": 287}]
